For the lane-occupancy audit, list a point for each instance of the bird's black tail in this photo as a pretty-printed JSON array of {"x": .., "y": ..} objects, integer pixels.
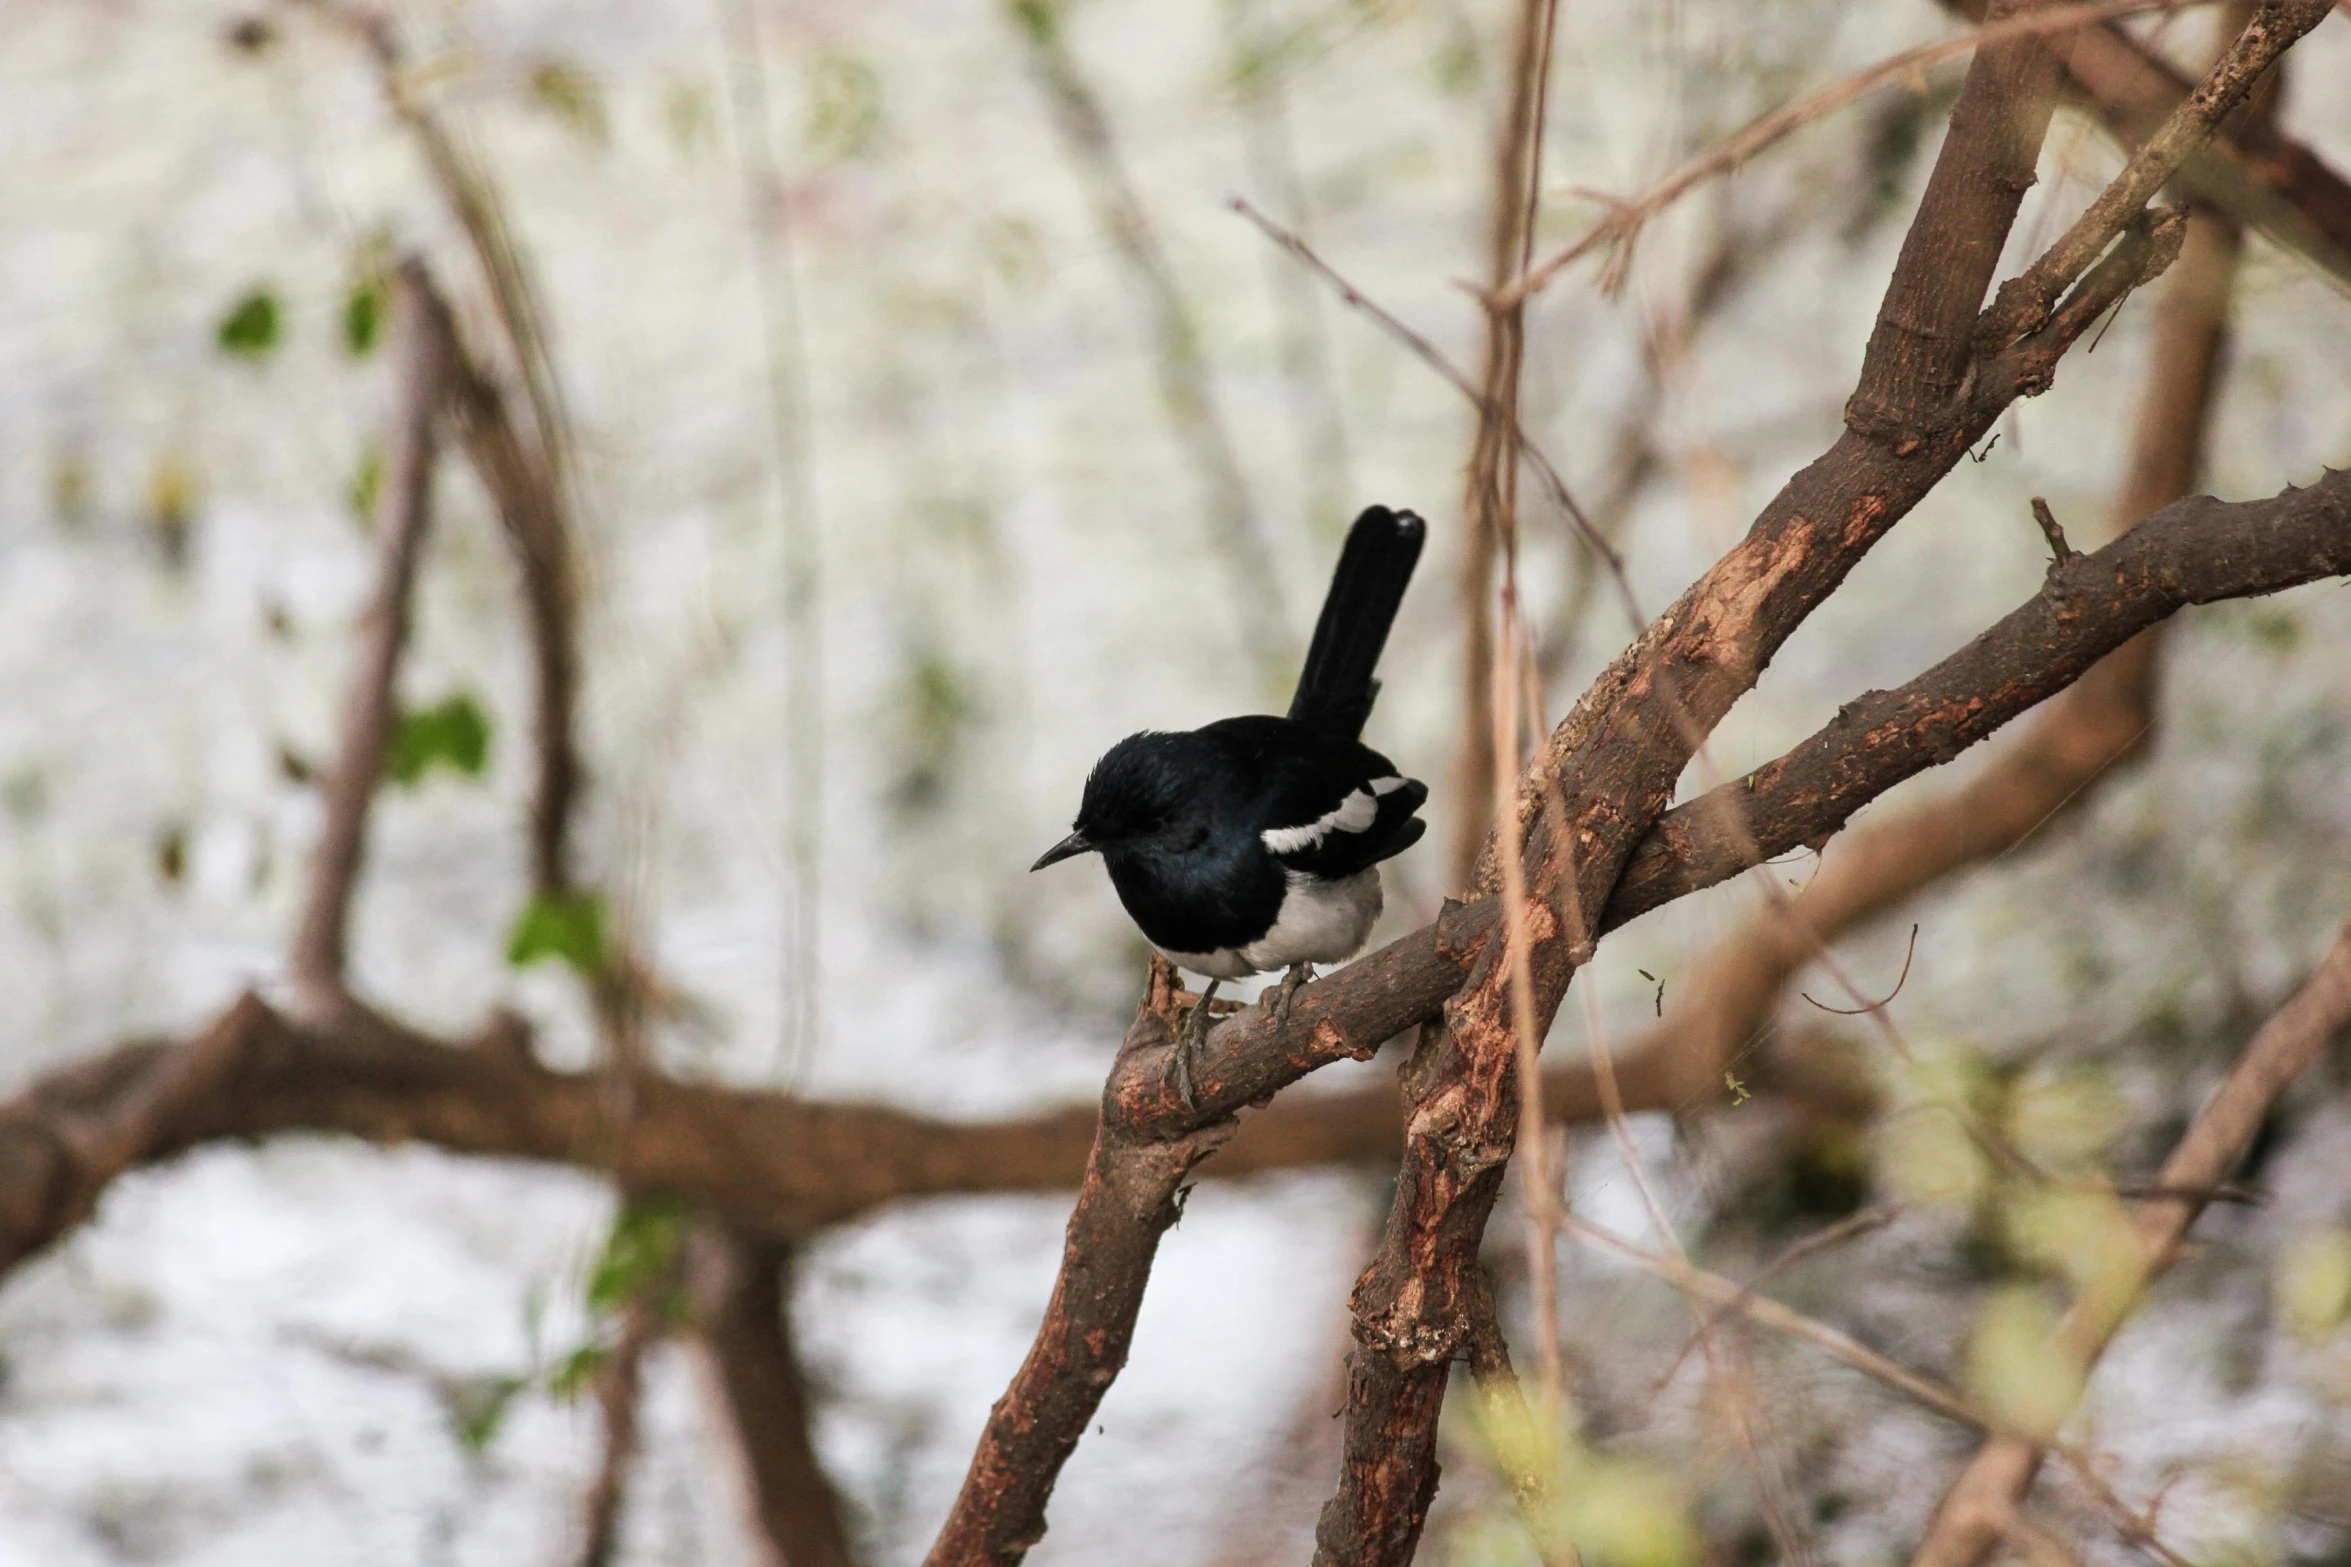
[{"x": 1336, "y": 688}]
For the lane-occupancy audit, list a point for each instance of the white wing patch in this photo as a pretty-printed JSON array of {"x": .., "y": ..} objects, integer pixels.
[
  {"x": 1388, "y": 785},
  {"x": 1353, "y": 814}
]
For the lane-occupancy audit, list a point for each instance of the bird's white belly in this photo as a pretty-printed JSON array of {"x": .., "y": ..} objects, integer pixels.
[{"x": 1319, "y": 922}]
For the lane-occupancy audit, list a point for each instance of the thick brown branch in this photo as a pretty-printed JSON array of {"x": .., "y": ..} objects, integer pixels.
[
  {"x": 742, "y": 1298},
  {"x": 1609, "y": 771},
  {"x": 786, "y": 1165},
  {"x": 1726, "y": 998},
  {"x": 1968, "y": 1523},
  {"x": 423, "y": 346},
  {"x": 2194, "y": 551}
]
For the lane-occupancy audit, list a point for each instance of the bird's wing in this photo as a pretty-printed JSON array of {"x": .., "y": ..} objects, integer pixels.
[{"x": 1340, "y": 809}]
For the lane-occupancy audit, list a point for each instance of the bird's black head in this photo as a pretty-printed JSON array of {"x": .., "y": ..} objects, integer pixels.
[{"x": 1144, "y": 794}]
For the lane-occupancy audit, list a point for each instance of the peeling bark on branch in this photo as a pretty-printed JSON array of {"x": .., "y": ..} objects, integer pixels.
[
  {"x": 2194, "y": 551},
  {"x": 787, "y": 1166}
]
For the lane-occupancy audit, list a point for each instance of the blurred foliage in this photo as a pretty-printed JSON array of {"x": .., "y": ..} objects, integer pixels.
[
  {"x": 2314, "y": 1283},
  {"x": 2015, "y": 1363},
  {"x": 72, "y": 489},
  {"x": 478, "y": 1408},
  {"x": 845, "y": 112},
  {"x": 1608, "y": 1509},
  {"x": 564, "y": 926},
  {"x": 685, "y": 109},
  {"x": 251, "y": 327},
  {"x": 367, "y": 483},
  {"x": 572, "y": 1373},
  {"x": 171, "y": 509},
  {"x": 453, "y": 733},
  {"x": 573, "y": 97},
  {"x": 365, "y": 305},
  {"x": 640, "y": 1253}
]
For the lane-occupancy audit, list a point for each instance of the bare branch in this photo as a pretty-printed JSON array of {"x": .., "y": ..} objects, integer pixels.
[
  {"x": 741, "y": 1289},
  {"x": 522, "y": 486},
  {"x": 620, "y": 1393},
  {"x": 1489, "y": 507},
  {"x": 2025, "y": 302},
  {"x": 2184, "y": 554},
  {"x": 2262, "y": 179},
  {"x": 1619, "y": 230},
  {"x": 423, "y": 348}
]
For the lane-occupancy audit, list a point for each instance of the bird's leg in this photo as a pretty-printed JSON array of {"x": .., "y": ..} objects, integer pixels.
[
  {"x": 1195, "y": 1031},
  {"x": 1277, "y": 998}
]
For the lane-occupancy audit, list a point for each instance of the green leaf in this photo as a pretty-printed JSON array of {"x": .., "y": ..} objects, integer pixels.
[
  {"x": 572, "y": 96},
  {"x": 1040, "y": 19},
  {"x": 844, "y": 107},
  {"x": 363, "y": 315},
  {"x": 638, "y": 1254},
  {"x": 250, "y": 329},
  {"x": 569, "y": 1377},
  {"x": 477, "y": 1408},
  {"x": 569, "y": 926},
  {"x": 453, "y": 733},
  {"x": 367, "y": 482}
]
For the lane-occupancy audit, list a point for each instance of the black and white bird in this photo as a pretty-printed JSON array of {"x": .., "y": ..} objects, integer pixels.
[{"x": 1254, "y": 844}]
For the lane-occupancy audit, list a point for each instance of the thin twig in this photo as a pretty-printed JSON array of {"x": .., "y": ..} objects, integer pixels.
[
  {"x": 1235, "y": 527},
  {"x": 783, "y": 347},
  {"x": 423, "y": 350},
  {"x": 1936, "y": 1395},
  {"x": 1620, "y": 229},
  {"x": 1871, "y": 1008},
  {"x": 1429, "y": 354},
  {"x": 1966, "y": 1525}
]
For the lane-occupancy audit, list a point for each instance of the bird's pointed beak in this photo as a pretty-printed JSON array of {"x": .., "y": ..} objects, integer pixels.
[{"x": 1071, "y": 847}]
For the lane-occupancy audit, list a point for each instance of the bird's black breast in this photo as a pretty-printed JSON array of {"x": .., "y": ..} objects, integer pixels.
[
  {"x": 1202, "y": 897},
  {"x": 1214, "y": 880}
]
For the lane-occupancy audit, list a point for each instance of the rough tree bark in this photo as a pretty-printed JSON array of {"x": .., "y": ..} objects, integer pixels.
[
  {"x": 1934, "y": 377},
  {"x": 2076, "y": 743}
]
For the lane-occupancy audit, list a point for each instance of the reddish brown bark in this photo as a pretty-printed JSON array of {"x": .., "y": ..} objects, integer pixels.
[{"x": 1931, "y": 383}]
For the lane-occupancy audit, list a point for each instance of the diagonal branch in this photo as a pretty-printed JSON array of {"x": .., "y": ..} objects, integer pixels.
[
  {"x": 2076, "y": 742},
  {"x": 523, "y": 487},
  {"x": 1609, "y": 771},
  {"x": 2260, "y": 177},
  {"x": 424, "y": 343},
  {"x": 2024, "y": 302},
  {"x": 1967, "y": 1524},
  {"x": 783, "y": 1165}
]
